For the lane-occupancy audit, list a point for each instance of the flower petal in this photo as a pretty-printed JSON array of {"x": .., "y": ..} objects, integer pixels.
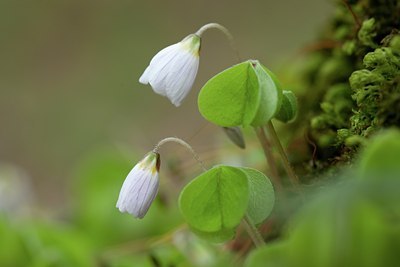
[
  {"x": 172, "y": 71},
  {"x": 181, "y": 77},
  {"x": 155, "y": 73}
]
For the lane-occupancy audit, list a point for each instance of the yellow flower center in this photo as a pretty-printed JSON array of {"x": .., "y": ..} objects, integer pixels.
[{"x": 192, "y": 44}]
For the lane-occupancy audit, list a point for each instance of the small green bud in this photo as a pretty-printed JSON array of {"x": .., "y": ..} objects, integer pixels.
[
  {"x": 337, "y": 92},
  {"x": 235, "y": 135},
  {"x": 320, "y": 122},
  {"x": 395, "y": 43},
  {"x": 342, "y": 32},
  {"x": 343, "y": 134},
  {"x": 327, "y": 140},
  {"x": 343, "y": 108},
  {"x": 327, "y": 107},
  {"x": 334, "y": 69},
  {"x": 367, "y": 33},
  {"x": 354, "y": 140},
  {"x": 349, "y": 47},
  {"x": 288, "y": 109}
]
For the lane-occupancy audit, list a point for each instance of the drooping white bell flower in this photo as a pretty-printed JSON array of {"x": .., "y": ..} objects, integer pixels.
[
  {"x": 140, "y": 186},
  {"x": 172, "y": 71}
]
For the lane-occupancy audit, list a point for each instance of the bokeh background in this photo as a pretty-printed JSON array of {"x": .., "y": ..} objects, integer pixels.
[{"x": 69, "y": 78}]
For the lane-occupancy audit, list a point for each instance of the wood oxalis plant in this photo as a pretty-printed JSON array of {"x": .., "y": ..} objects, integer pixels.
[{"x": 248, "y": 94}]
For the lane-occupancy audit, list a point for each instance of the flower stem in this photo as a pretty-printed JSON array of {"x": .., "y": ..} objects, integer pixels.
[
  {"x": 253, "y": 232},
  {"x": 223, "y": 30},
  {"x": 277, "y": 143},
  {"x": 355, "y": 17},
  {"x": 265, "y": 144},
  {"x": 183, "y": 143}
]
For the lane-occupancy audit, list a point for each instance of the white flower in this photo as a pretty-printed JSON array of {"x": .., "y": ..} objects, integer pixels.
[
  {"x": 172, "y": 71},
  {"x": 140, "y": 186}
]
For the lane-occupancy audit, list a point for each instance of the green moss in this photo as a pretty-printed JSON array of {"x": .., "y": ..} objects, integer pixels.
[
  {"x": 376, "y": 92},
  {"x": 356, "y": 82}
]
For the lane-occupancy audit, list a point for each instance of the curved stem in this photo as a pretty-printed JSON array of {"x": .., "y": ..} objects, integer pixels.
[
  {"x": 277, "y": 143},
  {"x": 239, "y": 142},
  {"x": 183, "y": 143},
  {"x": 265, "y": 144},
  {"x": 253, "y": 232},
  {"x": 224, "y": 30},
  {"x": 356, "y": 19}
]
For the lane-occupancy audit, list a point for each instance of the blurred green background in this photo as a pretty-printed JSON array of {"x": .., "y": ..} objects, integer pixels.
[{"x": 69, "y": 76}]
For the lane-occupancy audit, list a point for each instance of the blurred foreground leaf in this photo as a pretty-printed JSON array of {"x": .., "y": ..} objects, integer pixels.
[
  {"x": 349, "y": 224},
  {"x": 55, "y": 244},
  {"x": 381, "y": 157},
  {"x": 13, "y": 251},
  {"x": 271, "y": 255}
]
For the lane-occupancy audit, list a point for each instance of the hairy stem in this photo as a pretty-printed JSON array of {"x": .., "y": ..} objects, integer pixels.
[
  {"x": 183, "y": 143},
  {"x": 223, "y": 30},
  {"x": 277, "y": 143},
  {"x": 265, "y": 144},
  {"x": 253, "y": 232},
  {"x": 356, "y": 19}
]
